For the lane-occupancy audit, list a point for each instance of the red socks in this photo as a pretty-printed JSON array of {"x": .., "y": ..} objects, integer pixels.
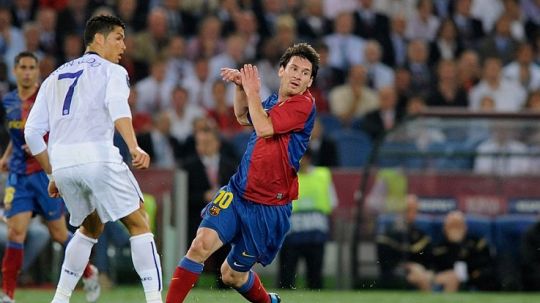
[
  {"x": 87, "y": 271},
  {"x": 11, "y": 265},
  {"x": 184, "y": 278},
  {"x": 253, "y": 290}
]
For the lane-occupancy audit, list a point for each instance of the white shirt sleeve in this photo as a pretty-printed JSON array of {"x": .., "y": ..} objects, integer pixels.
[
  {"x": 117, "y": 93},
  {"x": 37, "y": 124}
]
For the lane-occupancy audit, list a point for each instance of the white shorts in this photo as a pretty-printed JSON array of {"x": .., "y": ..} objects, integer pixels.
[{"x": 109, "y": 188}]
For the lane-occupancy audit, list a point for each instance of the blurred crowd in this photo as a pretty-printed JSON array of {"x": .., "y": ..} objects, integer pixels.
[{"x": 380, "y": 60}]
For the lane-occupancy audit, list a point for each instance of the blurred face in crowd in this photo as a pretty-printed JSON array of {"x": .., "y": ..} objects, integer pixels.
[
  {"x": 177, "y": 46},
  {"x": 447, "y": 71},
  {"x": 295, "y": 76},
  {"x": 372, "y": 52},
  {"x": 157, "y": 23},
  {"x": 207, "y": 143},
  {"x": 412, "y": 208},
  {"x": 417, "y": 51},
  {"x": 158, "y": 70},
  {"x": 463, "y": 7},
  {"x": 387, "y": 98},
  {"x": 47, "y": 19},
  {"x": 179, "y": 99},
  {"x": 455, "y": 228},
  {"x": 492, "y": 69},
  {"x": 415, "y": 105},
  {"x": 487, "y": 104},
  {"x": 357, "y": 75},
  {"x": 525, "y": 54},
  {"x": 344, "y": 23}
]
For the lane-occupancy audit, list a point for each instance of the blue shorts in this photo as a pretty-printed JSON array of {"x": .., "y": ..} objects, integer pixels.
[
  {"x": 29, "y": 193},
  {"x": 256, "y": 231}
]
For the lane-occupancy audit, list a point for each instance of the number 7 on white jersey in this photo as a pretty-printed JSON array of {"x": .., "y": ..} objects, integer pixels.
[{"x": 69, "y": 95}]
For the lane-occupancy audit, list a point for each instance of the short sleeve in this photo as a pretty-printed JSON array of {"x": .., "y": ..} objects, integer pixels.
[
  {"x": 117, "y": 93},
  {"x": 291, "y": 115}
]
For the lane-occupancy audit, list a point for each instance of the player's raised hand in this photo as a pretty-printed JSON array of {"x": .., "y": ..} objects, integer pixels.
[
  {"x": 231, "y": 75},
  {"x": 53, "y": 190},
  {"x": 250, "y": 80},
  {"x": 139, "y": 158}
]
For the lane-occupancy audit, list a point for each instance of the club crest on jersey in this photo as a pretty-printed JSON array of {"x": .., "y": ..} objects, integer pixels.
[{"x": 214, "y": 210}]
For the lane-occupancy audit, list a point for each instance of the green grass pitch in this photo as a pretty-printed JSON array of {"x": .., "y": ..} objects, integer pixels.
[{"x": 199, "y": 295}]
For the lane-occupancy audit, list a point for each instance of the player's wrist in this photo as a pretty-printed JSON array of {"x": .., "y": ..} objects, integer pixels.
[{"x": 51, "y": 178}]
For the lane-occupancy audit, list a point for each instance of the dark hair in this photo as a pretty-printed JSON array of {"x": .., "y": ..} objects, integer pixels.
[
  {"x": 100, "y": 24},
  {"x": 302, "y": 50},
  {"x": 24, "y": 55}
]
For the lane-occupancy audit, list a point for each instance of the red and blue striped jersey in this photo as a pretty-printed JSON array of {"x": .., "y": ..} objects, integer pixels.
[
  {"x": 17, "y": 111},
  {"x": 267, "y": 173}
]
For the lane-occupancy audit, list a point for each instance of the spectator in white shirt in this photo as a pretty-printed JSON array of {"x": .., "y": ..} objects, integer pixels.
[
  {"x": 523, "y": 70},
  {"x": 345, "y": 48},
  {"x": 509, "y": 96},
  {"x": 154, "y": 93},
  {"x": 179, "y": 67},
  {"x": 183, "y": 114},
  {"x": 378, "y": 74},
  {"x": 502, "y": 155},
  {"x": 423, "y": 25}
]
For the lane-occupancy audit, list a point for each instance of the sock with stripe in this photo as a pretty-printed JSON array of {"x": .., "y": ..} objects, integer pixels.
[
  {"x": 253, "y": 290},
  {"x": 148, "y": 265},
  {"x": 11, "y": 265},
  {"x": 184, "y": 278}
]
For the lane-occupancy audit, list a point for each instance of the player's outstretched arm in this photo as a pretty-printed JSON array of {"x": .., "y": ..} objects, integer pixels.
[
  {"x": 240, "y": 99},
  {"x": 252, "y": 86},
  {"x": 139, "y": 158}
]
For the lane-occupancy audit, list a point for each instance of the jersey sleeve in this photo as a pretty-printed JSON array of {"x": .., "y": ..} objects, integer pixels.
[
  {"x": 37, "y": 123},
  {"x": 291, "y": 115},
  {"x": 117, "y": 93}
]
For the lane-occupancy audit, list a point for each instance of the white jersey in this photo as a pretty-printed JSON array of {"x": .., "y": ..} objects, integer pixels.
[{"x": 78, "y": 104}]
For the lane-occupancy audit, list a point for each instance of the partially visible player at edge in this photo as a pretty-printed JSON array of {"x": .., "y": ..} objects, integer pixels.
[
  {"x": 252, "y": 212},
  {"x": 80, "y": 104},
  {"x": 26, "y": 186}
]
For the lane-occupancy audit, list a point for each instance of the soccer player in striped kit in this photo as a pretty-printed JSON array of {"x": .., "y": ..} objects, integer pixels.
[{"x": 252, "y": 212}]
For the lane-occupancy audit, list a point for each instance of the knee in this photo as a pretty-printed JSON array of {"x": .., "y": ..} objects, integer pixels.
[
  {"x": 232, "y": 278},
  {"x": 200, "y": 249},
  {"x": 94, "y": 232},
  {"x": 16, "y": 234}
]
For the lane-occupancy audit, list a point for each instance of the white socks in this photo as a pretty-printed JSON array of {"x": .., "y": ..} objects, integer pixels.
[
  {"x": 76, "y": 258},
  {"x": 148, "y": 265}
]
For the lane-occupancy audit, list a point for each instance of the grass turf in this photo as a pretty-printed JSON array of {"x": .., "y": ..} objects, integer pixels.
[{"x": 198, "y": 295}]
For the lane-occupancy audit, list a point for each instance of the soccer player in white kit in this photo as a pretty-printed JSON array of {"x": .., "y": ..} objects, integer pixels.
[{"x": 79, "y": 105}]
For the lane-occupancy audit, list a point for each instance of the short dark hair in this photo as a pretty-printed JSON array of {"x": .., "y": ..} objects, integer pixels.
[
  {"x": 302, "y": 50},
  {"x": 24, "y": 55},
  {"x": 102, "y": 24}
]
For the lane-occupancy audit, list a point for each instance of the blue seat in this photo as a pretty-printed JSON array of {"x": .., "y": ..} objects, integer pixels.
[
  {"x": 240, "y": 142},
  {"x": 481, "y": 227},
  {"x": 353, "y": 147},
  {"x": 330, "y": 123},
  {"x": 508, "y": 232}
]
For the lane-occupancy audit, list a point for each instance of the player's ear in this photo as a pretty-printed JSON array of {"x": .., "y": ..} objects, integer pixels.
[
  {"x": 281, "y": 71},
  {"x": 99, "y": 38},
  {"x": 310, "y": 82}
]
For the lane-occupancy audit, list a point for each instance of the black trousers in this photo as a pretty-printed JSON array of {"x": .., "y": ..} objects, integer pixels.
[{"x": 290, "y": 255}]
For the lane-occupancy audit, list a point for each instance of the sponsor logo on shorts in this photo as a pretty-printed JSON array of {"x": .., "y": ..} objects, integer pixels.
[{"x": 214, "y": 210}]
